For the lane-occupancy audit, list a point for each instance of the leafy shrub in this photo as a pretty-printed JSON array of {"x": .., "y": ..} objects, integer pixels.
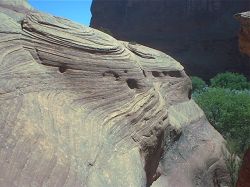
[
  {"x": 230, "y": 80},
  {"x": 197, "y": 83},
  {"x": 232, "y": 161},
  {"x": 226, "y": 104},
  {"x": 229, "y": 112}
]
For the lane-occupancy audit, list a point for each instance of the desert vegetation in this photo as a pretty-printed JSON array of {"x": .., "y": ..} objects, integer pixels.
[{"x": 226, "y": 103}]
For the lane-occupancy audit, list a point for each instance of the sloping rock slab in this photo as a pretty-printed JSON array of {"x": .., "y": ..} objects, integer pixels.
[{"x": 80, "y": 108}]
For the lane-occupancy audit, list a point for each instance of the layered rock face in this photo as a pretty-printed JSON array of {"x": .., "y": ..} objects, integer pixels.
[
  {"x": 80, "y": 108},
  {"x": 201, "y": 34}
]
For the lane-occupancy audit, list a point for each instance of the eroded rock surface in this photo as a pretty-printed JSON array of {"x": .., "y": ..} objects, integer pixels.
[
  {"x": 244, "y": 36},
  {"x": 80, "y": 108},
  {"x": 244, "y": 44},
  {"x": 244, "y": 172},
  {"x": 195, "y": 158},
  {"x": 201, "y": 34}
]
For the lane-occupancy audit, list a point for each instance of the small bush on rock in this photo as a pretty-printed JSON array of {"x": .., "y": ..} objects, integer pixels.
[
  {"x": 232, "y": 161},
  {"x": 197, "y": 83}
]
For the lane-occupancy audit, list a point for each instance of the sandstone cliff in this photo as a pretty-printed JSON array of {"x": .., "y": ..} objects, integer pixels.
[
  {"x": 244, "y": 36},
  {"x": 244, "y": 45},
  {"x": 201, "y": 34},
  {"x": 80, "y": 108}
]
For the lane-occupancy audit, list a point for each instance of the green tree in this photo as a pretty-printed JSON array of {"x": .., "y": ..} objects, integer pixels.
[
  {"x": 233, "y": 81},
  {"x": 229, "y": 112},
  {"x": 197, "y": 83}
]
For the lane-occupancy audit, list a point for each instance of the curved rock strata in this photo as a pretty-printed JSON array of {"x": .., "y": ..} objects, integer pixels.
[{"x": 80, "y": 108}]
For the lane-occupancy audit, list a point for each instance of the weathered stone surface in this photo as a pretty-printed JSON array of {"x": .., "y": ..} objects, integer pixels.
[
  {"x": 80, "y": 108},
  {"x": 201, "y": 34},
  {"x": 244, "y": 43},
  {"x": 244, "y": 36},
  {"x": 15, "y": 4},
  {"x": 195, "y": 158},
  {"x": 244, "y": 179}
]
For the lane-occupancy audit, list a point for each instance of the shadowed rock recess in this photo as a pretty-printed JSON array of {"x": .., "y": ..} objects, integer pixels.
[{"x": 80, "y": 108}]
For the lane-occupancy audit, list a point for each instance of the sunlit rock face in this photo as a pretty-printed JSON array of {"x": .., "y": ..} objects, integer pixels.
[
  {"x": 201, "y": 34},
  {"x": 80, "y": 108},
  {"x": 15, "y": 4},
  {"x": 244, "y": 35}
]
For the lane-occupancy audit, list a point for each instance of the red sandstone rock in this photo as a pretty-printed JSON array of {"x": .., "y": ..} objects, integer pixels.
[
  {"x": 244, "y": 174},
  {"x": 244, "y": 36}
]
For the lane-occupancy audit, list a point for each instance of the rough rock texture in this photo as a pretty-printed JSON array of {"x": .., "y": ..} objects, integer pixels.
[
  {"x": 201, "y": 34},
  {"x": 244, "y": 36},
  {"x": 244, "y": 44},
  {"x": 80, "y": 108},
  {"x": 194, "y": 158},
  {"x": 244, "y": 179},
  {"x": 15, "y": 4}
]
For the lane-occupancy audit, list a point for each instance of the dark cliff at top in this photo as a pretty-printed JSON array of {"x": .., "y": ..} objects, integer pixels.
[{"x": 201, "y": 34}]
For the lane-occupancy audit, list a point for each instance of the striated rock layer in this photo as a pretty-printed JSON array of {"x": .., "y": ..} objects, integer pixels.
[
  {"x": 201, "y": 34},
  {"x": 80, "y": 108}
]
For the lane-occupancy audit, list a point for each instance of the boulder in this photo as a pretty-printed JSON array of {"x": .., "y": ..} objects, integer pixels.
[{"x": 80, "y": 108}]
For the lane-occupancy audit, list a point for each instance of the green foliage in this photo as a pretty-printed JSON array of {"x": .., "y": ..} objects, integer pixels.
[
  {"x": 232, "y": 161},
  {"x": 226, "y": 104},
  {"x": 229, "y": 112},
  {"x": 230, "y": 80},
  {"x": 197, "y": 83}
]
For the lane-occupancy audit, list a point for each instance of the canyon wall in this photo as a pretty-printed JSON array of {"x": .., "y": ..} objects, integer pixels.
[
  {"x": 201, "y": 34},
  {"x": 244, "y": 44},
  {"x": 244, "y": 36}
]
